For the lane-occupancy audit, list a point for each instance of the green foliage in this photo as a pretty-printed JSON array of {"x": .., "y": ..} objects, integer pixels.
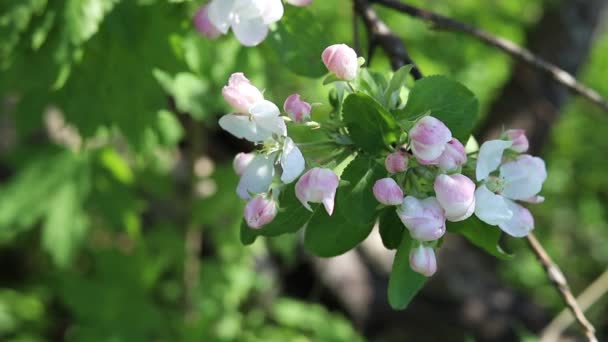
[
  {"x": 391, "y": 228},
  {"x": 354, "y": 212},
  {"x": 481, "y": 235},
  {"x": 299, "y": 40},
  {"x": 370, "y": 126},
  {"x": 403, "y": 283},
  {"x": 445, "y": 99}
]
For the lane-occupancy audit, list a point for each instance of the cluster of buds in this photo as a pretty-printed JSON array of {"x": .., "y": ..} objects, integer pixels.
[
  {"x": 279, "y": 161},
  {"x": 248, "y": 19},
  {"x": 503, "y": 176}
]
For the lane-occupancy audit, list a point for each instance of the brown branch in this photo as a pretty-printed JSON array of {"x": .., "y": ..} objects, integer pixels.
[
  {"x": 381, "y": 35},
  {"x": 561, "y": 284},
  {"x": 588, "y": 297},
  {"x": 444, "y": 23}
]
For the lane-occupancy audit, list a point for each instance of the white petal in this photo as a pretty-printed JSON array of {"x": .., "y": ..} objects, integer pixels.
[
  {"x": 490, "y": 156},
  {"x": 250, "y": 32},
  {"x": 520, "y": 224},
  {"x": 241, "y": 127},
  {"x": 257, "y": 177},
  {"x": 272, "y": 11},
  {"x": 221, "y": 14},
  {"x": 292, "y": 162},
  {"x": 524, "y": 177},
  {"x": 491, "y": 208},
  {"x": 266, "y": 115}
]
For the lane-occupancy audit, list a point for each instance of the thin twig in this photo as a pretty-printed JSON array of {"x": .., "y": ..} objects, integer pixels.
[
  {"x": 381, "y": 35},
  {"x": 561, "y": 284},
  {"x": 448, "y": 24},
  {"x": 588, "y": 297}
]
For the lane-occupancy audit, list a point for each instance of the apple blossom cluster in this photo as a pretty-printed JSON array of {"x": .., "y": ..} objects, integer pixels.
[
  {"x": 248, "y": 19},
  {"x": 504, "y": 175},
  {"x": 279, "y": 161},
  {"x": 430, "y": 175}
]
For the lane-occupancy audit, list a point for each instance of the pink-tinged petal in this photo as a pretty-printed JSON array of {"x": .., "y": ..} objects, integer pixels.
[
  {"x": 524, "y": 177},
  {"x": 429, "y": 137},
  {"x": 490, "y": 156},
  {"x": 241, "y": 161},
  {"x": 491, "y": 208},
  {"x": 534, "y": 199},
  {"x": 242, "y": 127},
  {"x": 388, "y": 192},
  {"x": 260, "y": 211},
  {"x": 250, "y": 32},
  {"x": 299, "y": 3},
  {"x": 292, "y": 161},
  {"x": 423, "y": 218},
  {"x": 520, "y": 224},
  {"x": 296, "y": 109},
  {"x": 203, "y": 25},
  {"x": 240, "y": 93},
  {"x": 318, "y": 186},
  {"x": 257, "y": 177},
  {"x": 423, "y": 260},
  {"x": 341, "y": 60},
  {"x": 456, "y": 195},
  {"x": 519, "y": 139},
  {"x": 396, "y": 162},
  {"x": 452, "y": 156},
  {"x": 221, "y": 14},
  {"x": 267, "y": 115}
]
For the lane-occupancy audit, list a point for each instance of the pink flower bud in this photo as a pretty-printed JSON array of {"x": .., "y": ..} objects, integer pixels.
[
  {"x": 318, "y": 186},
  {"x": 203, "y": 25},
  {"x": 241, "y": 161},
  {"x": 341, "y": 60},
  {"x": 452, "y": 157},
  {"x": 429, "y": 137},
  {"x": 423, "y": 218},
  {"x": 396, "y": 162},
  {"x": 299, "y": 3},
  {"x": 519, "y": 139},
  {"x": 240, "y": 93},
  {"x": 260, "y": 211},
  {"x": 456, "y": 195},
  {"x": 298, "y": 110},
  {"x": 388, "y": 192},
  {"x": 423, "y": 261}
]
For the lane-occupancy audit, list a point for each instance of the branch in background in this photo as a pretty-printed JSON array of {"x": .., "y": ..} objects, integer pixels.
[
  {"x": 559, "y": 281},
  {"x": 381, "y": 35},
  {"x": 588, "y": 297},
  {"x": 444, "y": 23}
]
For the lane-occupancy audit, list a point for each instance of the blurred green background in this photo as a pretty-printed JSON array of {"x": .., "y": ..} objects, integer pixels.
[{"x": 118, "y": 216}]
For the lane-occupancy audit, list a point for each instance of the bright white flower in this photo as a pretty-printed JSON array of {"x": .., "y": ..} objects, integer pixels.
[
  {"x": 257, "y": 177},
  {"x": 263, "y": 120},
  {"x": 292, "y": 161},
  {"x": 249, "y": 19},
  {"x": 518, "y": 179}
]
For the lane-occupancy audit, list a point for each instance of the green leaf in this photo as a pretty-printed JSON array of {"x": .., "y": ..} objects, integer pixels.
[
  {"x": 403, "y": 283},
  {"x": 370, "y": 126},
  {"x": 331, "y": 78},
  {"x": 445, "y": 99},
  {"x": 354, "y": 214},
  {"x": 292, "y": 216},
  {"x": 481, "y": 235},
  {"x": 391, "y": 228},
  {"x": 299, "y": 40},
  {"x": 66, "y": 224},
  {"x": 391, "y": 94},
  {"x": 188, "y": 91}
]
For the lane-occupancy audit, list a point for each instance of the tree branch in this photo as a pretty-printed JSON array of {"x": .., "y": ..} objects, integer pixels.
[
  {"x": 381, "y": 35},
  {"x": 444, "y": 23},
  {"x": 561, "y": 284}
]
